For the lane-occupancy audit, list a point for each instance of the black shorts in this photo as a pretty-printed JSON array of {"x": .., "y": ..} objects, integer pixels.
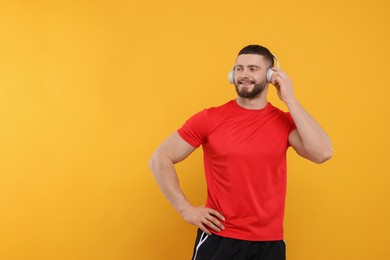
[{"x": 221, "y": 248}]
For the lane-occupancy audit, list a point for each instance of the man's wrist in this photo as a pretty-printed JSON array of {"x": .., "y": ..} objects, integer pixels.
[
  {"x": 291, "y": 102},
  {"x": 184, "y": 208}
]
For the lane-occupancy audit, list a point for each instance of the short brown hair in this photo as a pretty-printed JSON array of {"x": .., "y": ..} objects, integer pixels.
[{"x": 259, "y": 50}]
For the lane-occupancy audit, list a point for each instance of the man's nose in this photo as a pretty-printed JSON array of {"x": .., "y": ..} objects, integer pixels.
[{"x": 245, "y": 73}]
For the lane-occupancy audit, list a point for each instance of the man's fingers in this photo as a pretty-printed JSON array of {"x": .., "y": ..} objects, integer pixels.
[
  {"x": 211, "y": 225},
  {"x": 212, "y": 220},
  {"x": 205, "y": 219},
  {"x": 217, "y": 214},
  {"x": 215, "y": 222}
]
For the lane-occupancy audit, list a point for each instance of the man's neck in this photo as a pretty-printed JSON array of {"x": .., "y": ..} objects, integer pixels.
[{"x": 255, "y": 103}]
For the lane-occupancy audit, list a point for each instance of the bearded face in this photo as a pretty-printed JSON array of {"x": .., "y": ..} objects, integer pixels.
[{"x": 250, "y": 75}]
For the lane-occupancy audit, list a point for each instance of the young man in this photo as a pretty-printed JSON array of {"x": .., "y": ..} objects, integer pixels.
[{"x": 244, "y": 143}]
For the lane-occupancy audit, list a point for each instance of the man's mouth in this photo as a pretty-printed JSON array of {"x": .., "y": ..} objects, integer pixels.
[{"x": 246, "y": 82}]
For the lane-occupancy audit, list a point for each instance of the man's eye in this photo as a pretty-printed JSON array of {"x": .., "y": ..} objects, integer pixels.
[{"x": 238, "y": 69}]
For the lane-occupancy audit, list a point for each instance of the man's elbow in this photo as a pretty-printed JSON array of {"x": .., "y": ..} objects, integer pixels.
[
  {"x": 324, "y": 156},
  {"x": 152, "y": 163},
  {"x": 159, "y": 161}
]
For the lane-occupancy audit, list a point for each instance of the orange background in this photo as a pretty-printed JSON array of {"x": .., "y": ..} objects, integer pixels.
[{"x": 89, "y": 89}]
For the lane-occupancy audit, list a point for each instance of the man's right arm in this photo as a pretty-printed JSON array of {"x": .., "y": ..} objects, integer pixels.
[{"x": 172, "y": 151}]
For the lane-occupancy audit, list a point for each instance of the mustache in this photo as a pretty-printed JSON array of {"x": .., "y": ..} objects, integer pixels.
[{"x": 246, "y": 80}]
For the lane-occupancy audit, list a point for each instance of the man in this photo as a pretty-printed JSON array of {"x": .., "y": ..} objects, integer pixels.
[{"x": 244, "y": 143}]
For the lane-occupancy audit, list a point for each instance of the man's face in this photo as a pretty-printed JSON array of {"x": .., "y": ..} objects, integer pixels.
[{"x": 250, "y": 75}]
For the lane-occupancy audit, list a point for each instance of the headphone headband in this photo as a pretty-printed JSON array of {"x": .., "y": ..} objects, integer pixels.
[{"x": 276, "y": 59}]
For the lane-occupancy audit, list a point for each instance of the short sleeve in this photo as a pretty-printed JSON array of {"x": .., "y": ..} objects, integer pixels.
[
  {"x": 194, "y": 130},
  {"x": 292, "y": 125}
]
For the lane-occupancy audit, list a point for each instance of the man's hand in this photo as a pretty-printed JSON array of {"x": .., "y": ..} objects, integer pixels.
[
  {"x": 204, "y": 218},
  {"x": 283, "y": 85}
]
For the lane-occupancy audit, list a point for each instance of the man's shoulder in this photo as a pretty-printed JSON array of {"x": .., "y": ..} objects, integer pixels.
[
  {"x": 274, "y": 109},
  {"x": 220, "y": 108}
]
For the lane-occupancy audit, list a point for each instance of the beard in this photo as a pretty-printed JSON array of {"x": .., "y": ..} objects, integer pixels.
[{"x": 250, "y": 94}]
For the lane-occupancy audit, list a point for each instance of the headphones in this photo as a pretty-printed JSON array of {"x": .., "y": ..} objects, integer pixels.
[{"x": 269, "y": 71}]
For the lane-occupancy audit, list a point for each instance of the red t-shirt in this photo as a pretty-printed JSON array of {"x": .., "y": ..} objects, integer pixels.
[{"x": 245, "y": 166}]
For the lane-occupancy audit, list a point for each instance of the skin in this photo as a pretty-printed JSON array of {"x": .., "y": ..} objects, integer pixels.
[{"x": 309, "y": 140}]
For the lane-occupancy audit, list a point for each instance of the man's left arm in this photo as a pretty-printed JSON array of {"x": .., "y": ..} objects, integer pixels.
[{"x": 309, "y": 140}]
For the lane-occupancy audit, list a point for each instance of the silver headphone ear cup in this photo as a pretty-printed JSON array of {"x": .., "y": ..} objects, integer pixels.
[
  {"x": 269, "y": 75},
  {"x": 231, "y": 76},
  {"x": 270, "y": 71}
]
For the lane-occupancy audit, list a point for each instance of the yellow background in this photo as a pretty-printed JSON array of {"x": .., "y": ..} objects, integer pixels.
[{"x": 89, "y": 89}]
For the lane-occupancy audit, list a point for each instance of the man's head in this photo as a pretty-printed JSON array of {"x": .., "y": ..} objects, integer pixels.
[{"x": 250, "y": 70}]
